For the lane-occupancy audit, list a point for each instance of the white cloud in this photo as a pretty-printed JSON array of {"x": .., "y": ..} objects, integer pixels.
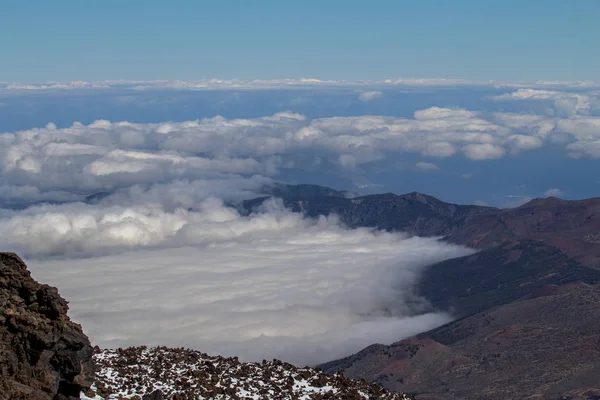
[
  {"x": 258, "y": 84},
  {"x": 111, "y": 156},
  {"x": 524, "y": 142},
  {"x": 484, "y": 151},
  {"x": 268, "y": 285},
  {"x": 426, "y": 167},
  {"x": 439, "y": 149},
  {"x": 566, "y": 103},
  {"x": 554, "y": 192},
  {"x": 347, "y": 161},
  {"x": 369, "y": 96}
]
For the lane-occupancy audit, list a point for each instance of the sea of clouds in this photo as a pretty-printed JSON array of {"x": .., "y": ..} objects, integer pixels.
[{"x": 139, "y": 227}]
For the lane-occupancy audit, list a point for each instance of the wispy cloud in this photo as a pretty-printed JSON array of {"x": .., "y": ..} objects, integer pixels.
[
  {"x": 426, "y": 167},
  {"x": 554, "y": 192},
  {"x": 370, "y": 96},
  {"x": 216, "y": 84},
  {"x": 565, "y": 103}
]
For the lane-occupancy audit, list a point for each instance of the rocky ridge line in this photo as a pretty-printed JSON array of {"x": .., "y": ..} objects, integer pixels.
[{"x": 164, "y": 373}]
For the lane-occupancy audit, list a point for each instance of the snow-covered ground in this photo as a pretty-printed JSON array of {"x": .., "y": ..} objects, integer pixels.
[{"x": 138, "y": 372}]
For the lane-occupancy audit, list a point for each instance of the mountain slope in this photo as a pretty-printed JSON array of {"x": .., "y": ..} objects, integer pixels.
[
  {"x": 572, "y": 226},
  {"x": 545, "y": 345},
  {"x": 499, "y": 275}
]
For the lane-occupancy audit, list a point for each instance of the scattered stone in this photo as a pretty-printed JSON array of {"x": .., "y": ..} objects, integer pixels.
[{"x": 161, "y": 373}]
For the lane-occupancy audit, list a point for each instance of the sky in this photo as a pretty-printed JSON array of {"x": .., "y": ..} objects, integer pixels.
[
  {"x": 130, "y": 133},
  {"x": 352, "y": 40}
]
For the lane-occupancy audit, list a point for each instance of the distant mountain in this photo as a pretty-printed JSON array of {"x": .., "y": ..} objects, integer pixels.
[
  {"x": 572, "y": 226},
  {"x": 544, "y": 346},
  {"x": 414, "y": 213}
]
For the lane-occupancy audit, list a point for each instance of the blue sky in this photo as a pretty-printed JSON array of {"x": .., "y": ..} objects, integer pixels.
[{"x": 96, "y": 40}]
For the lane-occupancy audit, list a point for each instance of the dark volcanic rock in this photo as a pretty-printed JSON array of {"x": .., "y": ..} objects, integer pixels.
[
  {"x": 43, "y": 355},
  {"x": 156, "y": 395}
]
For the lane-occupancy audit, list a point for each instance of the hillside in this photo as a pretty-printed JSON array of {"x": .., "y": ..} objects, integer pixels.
[
  {"x": 499, "y": 275},
  {"x": 544, "y": 346},
  {"x": 414, "y": 213}
]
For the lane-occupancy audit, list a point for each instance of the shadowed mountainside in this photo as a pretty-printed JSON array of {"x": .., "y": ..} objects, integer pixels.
[
  {"x": 499, "y": 275},
  {"x": 543, "y": 346}
]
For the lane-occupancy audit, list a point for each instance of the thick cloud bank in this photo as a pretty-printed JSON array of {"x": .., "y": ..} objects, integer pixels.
[
  {"x": 66, "y": 164},
  {"x": 269, "y": 285}
]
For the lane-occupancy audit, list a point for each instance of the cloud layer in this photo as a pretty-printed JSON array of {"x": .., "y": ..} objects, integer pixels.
[
  {"x": 261, "y": 84},
  {"x": 58, "y": 164},
  {"x": 269, "y": 285}
]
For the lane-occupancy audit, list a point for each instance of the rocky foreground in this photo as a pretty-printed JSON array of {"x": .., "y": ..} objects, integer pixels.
[
  {"x": 43, "y": 354},
  {"x": 164, "y": 373}
]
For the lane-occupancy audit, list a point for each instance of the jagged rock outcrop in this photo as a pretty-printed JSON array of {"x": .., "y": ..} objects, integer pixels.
[{"x": 43, "y": 354}]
